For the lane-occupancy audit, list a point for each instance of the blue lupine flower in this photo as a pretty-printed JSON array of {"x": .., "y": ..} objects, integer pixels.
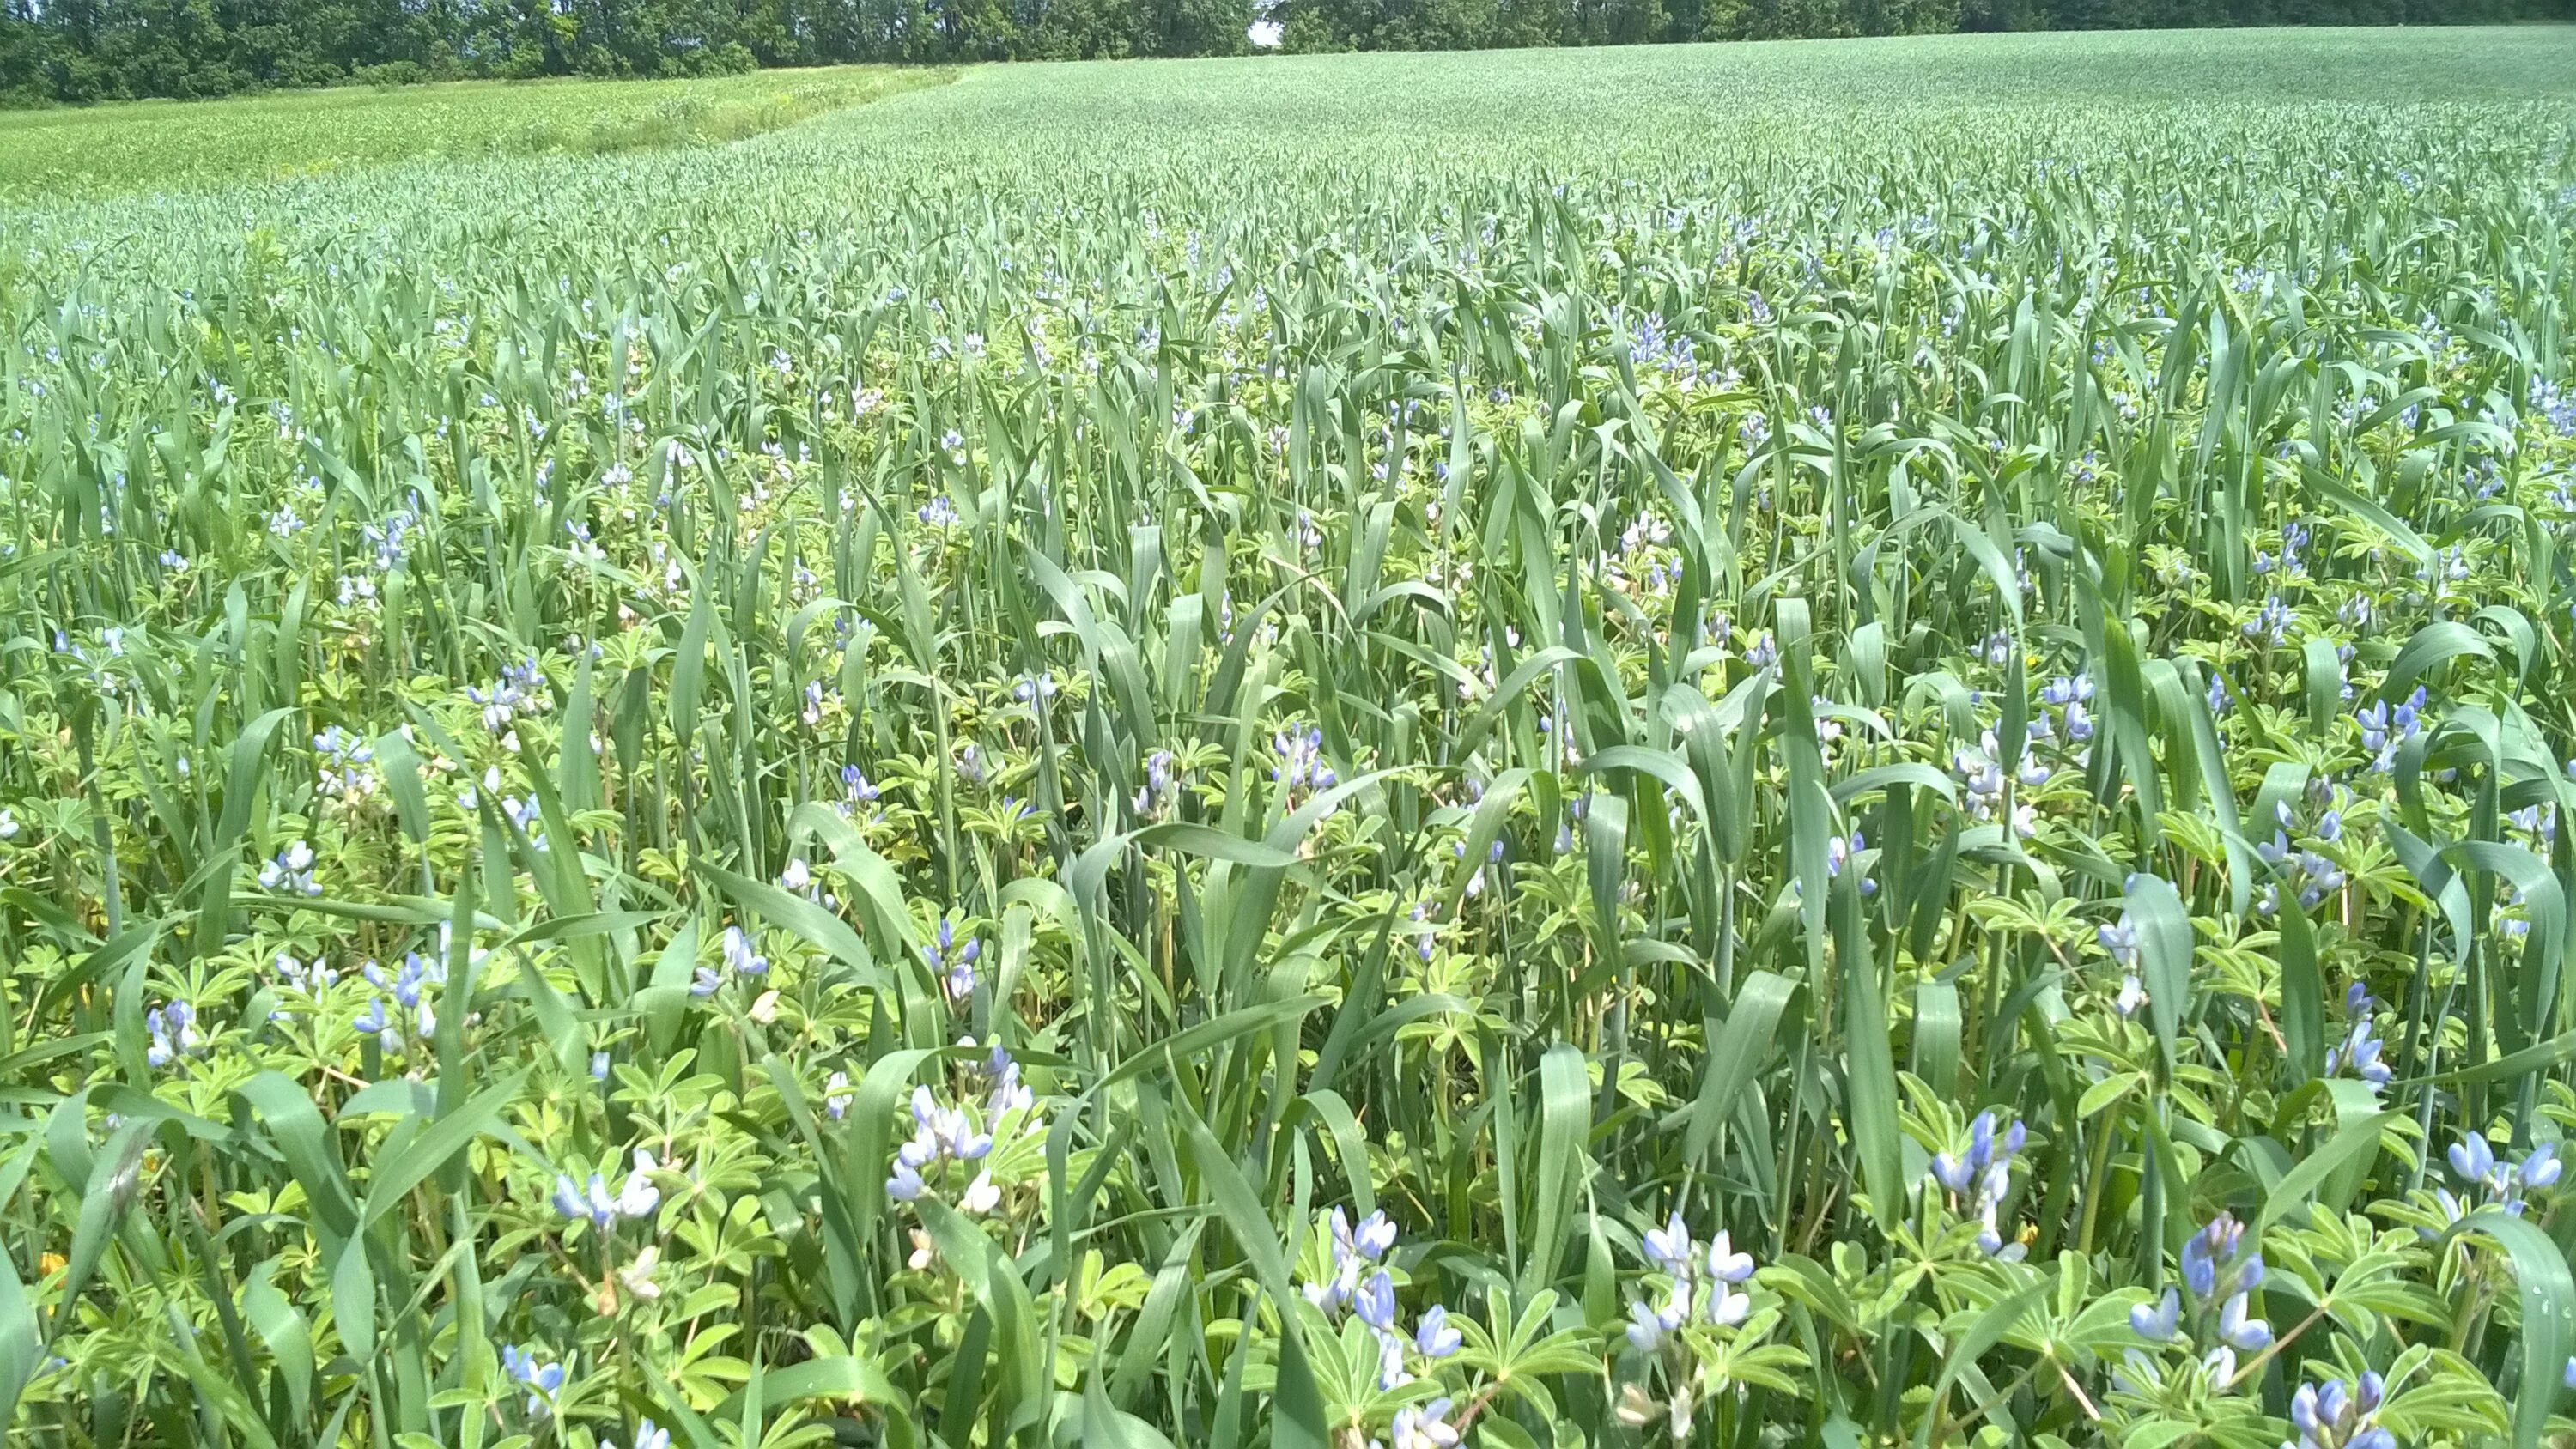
[
  {"x": 739, "y": 956},
  {"x": 1725, "y": 1265},
  {"x": 1982, "y": 1176},
  {"x": 954, "y": 964},
  {"x": 1670, "y": 1248},
  {"x": 291, "y": 871},
  {"x": 1433, "y": 1336},
  {"x": 2538, "y": 820},
  {"x": 1838, "y": 851},
  {"x": 1987, "y": 1167},
  {"x": 542, "y": 1386},
  {"x": 1010, "y": 1094},
  {"x": 173, "y": 1033},
  {"x": 1727, "y": 1308},
  {"x": 856, "y": 785},
  {"x": 1375, "y": 1301},
  {"x": 2159, "y": 1323},
  {"x": 543, "y": 1383},
  {"x": 2383, "y": 727},
  {"x": 2079, "y": 722},
  {"x": 2271, "y": 624},
  {"x": 418, "y": 972},
  {"x": 373, "y": 1022},
  {"x": 2472, "y": 1158},
  {"x": 798, "y": 879},
  {"x": 2506, "y": 1183},
  {"x": 946, "y": 1129},
  {"x": 1159, "y": 780},
  {"x": 2240, "y": 1332},
  {"x": 342, "y": 764},
  {"x": 1335, "y": 1289},
  {"x": 938, "y": 1132},
  {"x": 1301, "y": 759},
  {"x": 2064, "y": 690},
  {"x": 1423, "y": 1426},
  {"x": 904, "y": 1185},
  {"x": 1979, "y": 772},
  {"x": 638, "y": 1197},
  {"x": 2216, "y": 1272},
  {"x": 598, "y": 1205},
  {"x": 2318, "y": 876},
  {"x": 2205, "y": 1252},
  {"x": 2199, "y": 1270},
  {"x": 1391, "y": 1374},
  {"x": 961, "y": 1141},
  {"x": 2361, "y": 1047},
  {"x": 1647, "y": 1326},
  {"x": 2336, "y": 1417},
  {"x": 1374, "y": 1235}
]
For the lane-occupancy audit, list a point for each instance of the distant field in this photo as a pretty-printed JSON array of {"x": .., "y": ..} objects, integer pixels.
[
  {"x": 1579, "y": 106},
  {"x": 303, "y": 133},
  {"x": 1730, "y": 747}
]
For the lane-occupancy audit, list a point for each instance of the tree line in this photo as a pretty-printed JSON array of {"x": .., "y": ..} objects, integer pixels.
[{"x": 78, "y": 51}]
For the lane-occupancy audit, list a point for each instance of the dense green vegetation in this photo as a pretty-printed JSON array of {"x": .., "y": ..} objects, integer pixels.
[
  {"x": 61, "y": 151},
  {"x": 82, "y": 51},
  {"x": 1862, "y": 744}
]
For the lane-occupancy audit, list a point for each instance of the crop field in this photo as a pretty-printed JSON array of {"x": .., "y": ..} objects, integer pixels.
[
  {"x": 160, "y": 144},
  {"x": 1822, "y": 744}
]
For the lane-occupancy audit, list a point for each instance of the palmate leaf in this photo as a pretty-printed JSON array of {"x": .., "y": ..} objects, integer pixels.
[
  {"x": 1774, "y": 1366},
  {"x": 1519, "y": 1349}
]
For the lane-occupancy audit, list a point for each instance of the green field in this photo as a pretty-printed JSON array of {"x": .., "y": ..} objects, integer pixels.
[
  {"x": 1639, "y": 105},
  {"x": 1770, "y": 745},
  {"x": 155, "y": 145}
]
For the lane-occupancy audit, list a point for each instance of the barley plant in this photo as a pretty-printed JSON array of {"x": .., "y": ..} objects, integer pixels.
[{"x": 1811, "y": 745}]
